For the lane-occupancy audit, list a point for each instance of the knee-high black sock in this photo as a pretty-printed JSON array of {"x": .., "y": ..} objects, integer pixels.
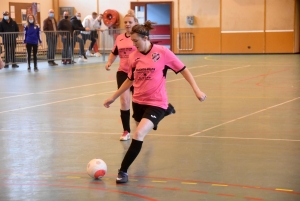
[
  {"x": 125, "y": 116},
  {"x": 132, "y": 153}
]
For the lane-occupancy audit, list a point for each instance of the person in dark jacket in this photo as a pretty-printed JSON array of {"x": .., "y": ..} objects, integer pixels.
[
  {"x": 49, "y": 28},
  {"x": 9, "y": 40},
  {"x": 32, "y": 38},
  {"x": 66, "y": 38},
  {"x": 77, "y": 27}
]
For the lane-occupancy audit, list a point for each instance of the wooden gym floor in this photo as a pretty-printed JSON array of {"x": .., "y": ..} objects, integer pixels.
[{"x": 242, "y": 143}]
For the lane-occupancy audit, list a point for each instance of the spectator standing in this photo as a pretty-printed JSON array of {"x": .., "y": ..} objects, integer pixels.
[
  {"x": 50, "y": 27},
  {"x": 32, "y": 38},
  {"x": 9, "y": 40},
  {"x": 77, "y": 27},
  {"x": 93, "y": 22},
  {"x": 66, "y": 38}
]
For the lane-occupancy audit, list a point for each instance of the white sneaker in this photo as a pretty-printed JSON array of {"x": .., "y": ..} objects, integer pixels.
[
  {"x": 81, "y": 59},
  {"x": 125, "y": 136},
  {"x": 89, "y": 53},
  {"x": 97, "y": 54}
]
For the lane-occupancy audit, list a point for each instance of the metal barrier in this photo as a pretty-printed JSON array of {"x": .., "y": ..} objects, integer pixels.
[
  {"x": 108, "y": 38},
  {"x": 185, "y": 41},
  {"x": 57, "y": 45},
  {"x": 12, "y": 47}
]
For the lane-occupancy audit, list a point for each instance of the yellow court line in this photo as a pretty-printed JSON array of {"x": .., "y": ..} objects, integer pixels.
[
  {"x": 159, "y": 181},
  {"x": 72, "y": 177},
  {"x": 219, "y": 185},
  {"x": 45, "y": 175},
  {"x": 189, "y": 183},
  {"x": 280, "y": 189}
]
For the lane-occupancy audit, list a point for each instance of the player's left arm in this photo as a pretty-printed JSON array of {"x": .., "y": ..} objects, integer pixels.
[{"x": 189, "y": 77}]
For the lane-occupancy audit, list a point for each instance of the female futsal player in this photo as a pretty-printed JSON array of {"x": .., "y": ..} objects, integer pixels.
[
  {"x": 147, "y": 73},
  {"x": 124, "y": 47}
]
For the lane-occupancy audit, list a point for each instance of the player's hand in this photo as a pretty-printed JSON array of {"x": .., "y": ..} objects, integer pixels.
[
  {"x": 201, "y": 96},
  {"x": 108, "y": 102},
  {"x": 107, "y": 66},
  {"x": 87, "y": 28}
]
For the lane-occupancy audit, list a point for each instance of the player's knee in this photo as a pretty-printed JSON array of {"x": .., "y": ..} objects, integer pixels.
[{"x": 139, "y": 135}]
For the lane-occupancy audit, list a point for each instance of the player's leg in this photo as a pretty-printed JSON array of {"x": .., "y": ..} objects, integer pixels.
[
  {"x": 148, "y": 118},
  {"x": 125, "y": 99},
  {"x": 145, "y": 126}
]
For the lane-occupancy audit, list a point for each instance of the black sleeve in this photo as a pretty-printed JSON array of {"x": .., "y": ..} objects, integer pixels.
[{"x": 115, "y": 51}]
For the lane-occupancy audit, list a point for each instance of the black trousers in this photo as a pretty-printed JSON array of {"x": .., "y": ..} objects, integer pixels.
[
  {"x": 90, "y": 37},
  {"x": 52, "y": 43},
  {"x": 34, "y": 47},
  {"x": 67, "y": 45},
  {"x": 10, "y": 50}
]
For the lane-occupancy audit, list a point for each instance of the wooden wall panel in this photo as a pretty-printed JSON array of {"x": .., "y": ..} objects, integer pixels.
[
  {"x": 242, "y": 15},
  {"x": 206, "y": 41},
  {"x": 279, "y": 42},
  {"x": 242, "y": 43},
  {"x": 280, "y": 14}
]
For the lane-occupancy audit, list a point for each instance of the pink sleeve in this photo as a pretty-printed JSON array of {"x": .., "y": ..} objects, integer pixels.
[
  {"x": 130, "y": 72},
  {"x": 173, "y": 62}
]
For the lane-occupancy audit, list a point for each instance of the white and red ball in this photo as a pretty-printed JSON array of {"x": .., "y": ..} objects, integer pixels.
[{"x": 96, "y": 168}]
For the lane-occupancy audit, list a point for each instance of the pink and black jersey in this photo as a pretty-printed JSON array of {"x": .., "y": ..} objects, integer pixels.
[
  {"x": 123, "y": 47},
  {"x": 149, "y": 74}
]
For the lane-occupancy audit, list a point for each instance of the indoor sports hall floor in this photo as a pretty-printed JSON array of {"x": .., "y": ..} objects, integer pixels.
[{"x": 242, "y": 143}]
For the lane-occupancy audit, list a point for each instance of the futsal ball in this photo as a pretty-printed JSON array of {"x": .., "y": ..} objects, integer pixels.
[{"x": 96, "y": 168}]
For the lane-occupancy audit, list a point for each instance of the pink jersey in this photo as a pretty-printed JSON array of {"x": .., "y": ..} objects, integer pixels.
[
  {"x": 123, "y": 47},
  {"x": 149, "y": 74}
]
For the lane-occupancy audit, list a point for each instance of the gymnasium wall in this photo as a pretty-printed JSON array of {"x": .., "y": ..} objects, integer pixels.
[
  {"x": 221, "y": 26},
  {"x": 44, "y": 6}
]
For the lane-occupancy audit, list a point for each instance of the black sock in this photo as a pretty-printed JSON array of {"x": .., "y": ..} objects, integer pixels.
[
  {"x": 125, "y": 117},
  {"x": 132, "y": 153}
]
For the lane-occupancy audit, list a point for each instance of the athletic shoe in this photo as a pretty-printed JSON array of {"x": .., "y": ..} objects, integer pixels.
[
  {"x": 125, "y": 136},
  {"x": 36, "y": 69},
  {"x": 15, "y": 66},
  {"x": 122, "y": 177},
  {"x": 89, "y": 53},
  {"x": 6, "y": 66},
  {"x": 84, "y": 57},
  {"x": 170, "y": 110},
  {"x": 50, "y": 63},
  {"x": 29, "y": 68},
  {"x": 97, "y": 54}
]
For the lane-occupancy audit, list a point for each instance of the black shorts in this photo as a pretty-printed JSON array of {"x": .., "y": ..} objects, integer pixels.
[
  {"x": 154, "y": 114},
  {"x": 121, "y": 77}
]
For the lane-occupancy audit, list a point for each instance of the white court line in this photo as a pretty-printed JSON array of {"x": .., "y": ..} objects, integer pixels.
[
  {"x": 57, "y": 89},
  {"x": 196, "y": 67},
  {"x": 212, "y": 73},
  {"x": 149, "y": 134},
  {"x": 242, "y": 117},
  {"x": 102, "y": 93},
  {"x": 73, "y": 87},
  {"x": 51, "y": 103}
]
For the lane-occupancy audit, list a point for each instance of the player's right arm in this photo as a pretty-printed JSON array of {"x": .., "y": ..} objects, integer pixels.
[
  {"x": 126, "y": 85},
  {"x": 110, "y": 60}
]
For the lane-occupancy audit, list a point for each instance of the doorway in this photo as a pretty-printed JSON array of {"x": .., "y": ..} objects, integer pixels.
[{"x": 161, "y": 13}]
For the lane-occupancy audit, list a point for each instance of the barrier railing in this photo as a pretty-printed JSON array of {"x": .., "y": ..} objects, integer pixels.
[
  {"x": 108, "y": 38},
  {"x": 58, "y": 45},
  {"x": 185, "y": 41}
]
